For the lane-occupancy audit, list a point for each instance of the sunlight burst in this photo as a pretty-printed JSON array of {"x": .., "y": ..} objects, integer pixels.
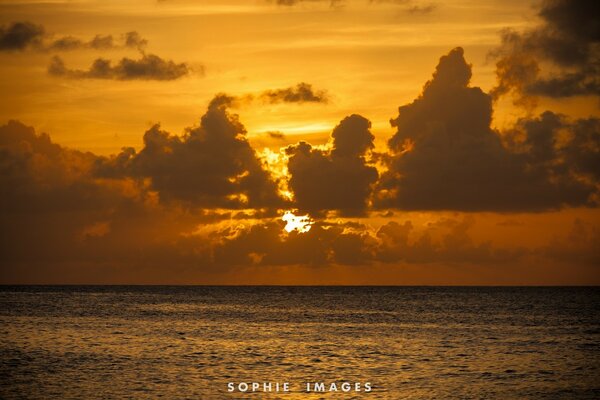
[{"x": 300, "y": 223}]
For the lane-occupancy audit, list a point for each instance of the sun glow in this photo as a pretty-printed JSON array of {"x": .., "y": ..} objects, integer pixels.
[{"x": 300, "y": 223}]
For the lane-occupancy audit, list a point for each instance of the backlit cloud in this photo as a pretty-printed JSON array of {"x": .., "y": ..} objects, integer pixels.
[
  {"x": 560, "y": 57},
  {"x": 20, "y": 35},
  {"x": 148, "y": 67},
  {"x": 447, "y": 156},
  {"x": 212, "y": 165},
  {"x": 338, "y": 179},
  {"x": 25, "y": 35},
  {"x": 301, "y": 93}
]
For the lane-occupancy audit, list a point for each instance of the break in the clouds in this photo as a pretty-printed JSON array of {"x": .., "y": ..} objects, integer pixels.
[
  {"x": 301, "y": 93},
  {"x": 212, "y": 165},
  {"x": 23, "y": 35},
  {"x": 148, "y": 67},
  {"x": 338, "y": 179},
  {"x": 446, "y": 156},
  {"x": 560, "y": 57}
]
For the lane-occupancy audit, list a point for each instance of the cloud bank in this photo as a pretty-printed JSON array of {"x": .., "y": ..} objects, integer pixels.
[
  {"x": 445, "y": 155},
  {"x": 148, "y": 67}
]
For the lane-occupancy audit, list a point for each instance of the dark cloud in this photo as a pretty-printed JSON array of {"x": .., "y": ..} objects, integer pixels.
[
  {"x": 212, "y": 165},
  {"x": 276, "y": 135},
  {"x": 53, "y": 211},
  {"x": 447, "y": 241},
  {"x": 134, "y": 40},
  {"x": 301, "y": 93},
  {"x": 567, "y": 40},
  {"x": 339, "y": 179},
  {"x": 70, "y": 216},
  {"x": 27, "y": 35},
  {"x": 131, "y": 40},
  {"x": 20, "y": 36},
  {"x": 447, "y": 157},
  {"x": 148, "y": 67}
]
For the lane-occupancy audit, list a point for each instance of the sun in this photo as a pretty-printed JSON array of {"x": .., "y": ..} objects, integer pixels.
[{"x": 299, "y": 223}]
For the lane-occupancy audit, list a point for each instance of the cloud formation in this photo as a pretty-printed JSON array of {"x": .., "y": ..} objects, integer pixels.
[
  {"x": 447, "y": 240},
  {"x": 66, "y": 208},
  {"x": 212, "y": 165},
  {"x": 20, "y": 35},
  {"x": 131, "y": 40},
  {"x": 566, "y": 43},
  {"x": 301, "y": 93},
  {"x": 446, "y": 156},
  {"x": 338, "y": 179},
  {"x": 148, "y": 67},
  {"x": 24, "y": 35}
]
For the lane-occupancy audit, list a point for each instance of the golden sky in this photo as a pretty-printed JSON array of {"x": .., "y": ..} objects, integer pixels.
[{"x": 426, "y": 142}]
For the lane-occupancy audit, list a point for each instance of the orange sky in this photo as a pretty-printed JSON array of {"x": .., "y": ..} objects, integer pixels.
[{"x": 490, "y": 175}]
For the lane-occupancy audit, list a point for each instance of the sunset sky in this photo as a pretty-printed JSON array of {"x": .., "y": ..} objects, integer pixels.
[{"x": 402, "y": 142}]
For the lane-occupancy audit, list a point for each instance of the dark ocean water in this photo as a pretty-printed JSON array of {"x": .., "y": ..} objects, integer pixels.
[{"x": 407, "y": 342}]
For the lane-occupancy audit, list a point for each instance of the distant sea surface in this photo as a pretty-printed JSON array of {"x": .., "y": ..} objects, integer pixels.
[{"x": 63, "y": 342}]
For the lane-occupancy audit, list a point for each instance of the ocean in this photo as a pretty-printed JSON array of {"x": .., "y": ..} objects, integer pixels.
[{"x": 197, "y": 342}]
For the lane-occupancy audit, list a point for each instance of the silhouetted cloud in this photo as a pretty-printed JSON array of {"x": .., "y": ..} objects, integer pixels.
[
  {"x": 338, "y": 179},
  {"x": 301, "y": 93},
  {"x": 447, "y": 240},
  {"x": 134, "y": 40},
  {"x": 27, "y": 35},
  {"x": 213, "y": 165},
  {"x": 567, "y": 40},
  {"x": 148, "y": 67},
  {"x": 99, "y": 42},
  {"x": 447, "y": 157},
  {"x": 91, "y": 219},
  {"x": 20, "y": 35},
  {"x": 276, "y": 134}
]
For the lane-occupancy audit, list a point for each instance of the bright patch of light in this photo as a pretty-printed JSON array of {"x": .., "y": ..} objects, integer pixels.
[
  {"x": 300, "y": 223},
  {"x": 305, "y": 128}
]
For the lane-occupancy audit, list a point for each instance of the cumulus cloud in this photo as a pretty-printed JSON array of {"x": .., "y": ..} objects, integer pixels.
[
  {"x": 338, "y": 179},
  {"x": 212, "y": 165},
  {"x": 447, "y": 157},
  {"x": 58, "y": 210},
  {"x": 446, "y": 240},
  {"x": 54, "y": 212},
  {"x": 25, "y": 35},
  {"x": 148, "y": 67},
  {"x": 131, "y": 40},
  {"x": 71, "y": 216},
  {"x": 20, "y": 36},
  {"x": 560, "y": 57},
  {"x": 301, "y": 93}
]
